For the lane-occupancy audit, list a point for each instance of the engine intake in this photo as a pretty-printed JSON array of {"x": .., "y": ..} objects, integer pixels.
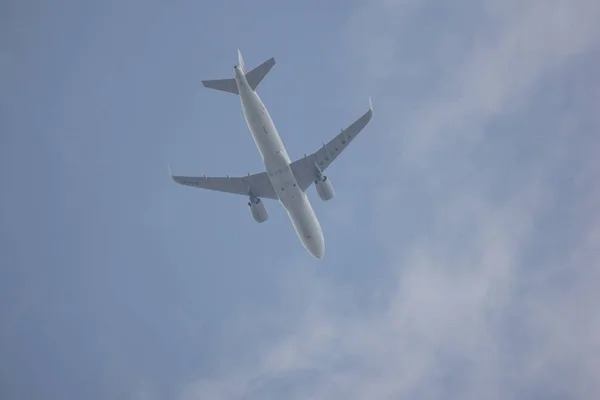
[
  {"x": 258, "y": 210},
  {"x": 324, "y": 188}
]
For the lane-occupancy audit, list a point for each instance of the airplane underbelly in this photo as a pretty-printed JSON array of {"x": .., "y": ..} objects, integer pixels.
[
  {"x": 307, "y": 225},
  {"x": 260, "y": 137},
  {"x": 283, "y": 181},
  {"x": 265, "y": 134}
]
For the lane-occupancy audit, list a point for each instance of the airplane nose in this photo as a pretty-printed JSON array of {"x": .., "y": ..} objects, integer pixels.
[{"x": 316, "y": 247}]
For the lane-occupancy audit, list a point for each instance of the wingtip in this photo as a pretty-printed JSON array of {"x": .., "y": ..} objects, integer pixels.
[
  {"x": 170, "y": 173},
  {"x": 370, "y": 104}
]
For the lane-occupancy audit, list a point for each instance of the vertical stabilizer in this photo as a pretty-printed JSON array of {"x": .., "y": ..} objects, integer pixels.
[{"x": 241, "y": 61}]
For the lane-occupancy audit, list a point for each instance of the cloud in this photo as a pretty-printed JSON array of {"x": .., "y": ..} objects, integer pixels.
[{"x": 494, "y": 291}]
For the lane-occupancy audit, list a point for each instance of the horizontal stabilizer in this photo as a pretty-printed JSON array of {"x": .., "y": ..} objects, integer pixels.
[
  {"x": 224, "y": 85},
  {"x": 256, "y": 76}
]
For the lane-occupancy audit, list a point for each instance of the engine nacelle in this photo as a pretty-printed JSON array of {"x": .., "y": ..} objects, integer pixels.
[
  {"x": 324, "y": 188},
  {"x": 259, "y": 212}
]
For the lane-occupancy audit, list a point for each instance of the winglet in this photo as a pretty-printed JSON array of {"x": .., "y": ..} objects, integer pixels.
[
  {"x": 170, "y": 173},
  {"x": 370, "y": 104}
]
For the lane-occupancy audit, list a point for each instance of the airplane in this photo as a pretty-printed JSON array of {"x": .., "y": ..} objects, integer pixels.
[{"x": 282, "y": 180}]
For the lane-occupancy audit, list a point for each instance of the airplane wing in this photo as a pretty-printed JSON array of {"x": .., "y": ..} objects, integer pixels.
[
  {"x": 304, "y": 168},
  {"x": 258, "y": 183}
]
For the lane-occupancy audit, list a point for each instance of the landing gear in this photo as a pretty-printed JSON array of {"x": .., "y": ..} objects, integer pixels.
[
  {"x": 253, "y": 199},
  {"x": 320, "y": 177},
  {"x": 257, "y": 208}
]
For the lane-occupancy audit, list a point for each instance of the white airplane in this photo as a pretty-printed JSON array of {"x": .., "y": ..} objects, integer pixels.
[{"x": 283, "y": 180}]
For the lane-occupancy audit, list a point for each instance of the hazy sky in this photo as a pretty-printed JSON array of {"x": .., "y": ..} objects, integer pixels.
[{"x": 462, "y": 248}]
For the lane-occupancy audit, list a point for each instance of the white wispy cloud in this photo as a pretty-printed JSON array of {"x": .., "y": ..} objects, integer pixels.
[{"x": 494, "y": 295}]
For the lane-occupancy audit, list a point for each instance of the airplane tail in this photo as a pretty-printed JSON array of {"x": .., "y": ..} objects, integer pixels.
[
  {"x": 254, "y": 77},
  {"x": 241, "y": 62}
]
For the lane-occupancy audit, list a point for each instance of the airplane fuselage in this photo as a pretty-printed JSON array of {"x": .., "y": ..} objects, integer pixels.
[{"x": 277, "y": 165}]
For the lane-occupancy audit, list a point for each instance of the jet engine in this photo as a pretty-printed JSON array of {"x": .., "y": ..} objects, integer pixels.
[
  {"x": 257, "y": 207},
  {"x": 324, "y": 188}
]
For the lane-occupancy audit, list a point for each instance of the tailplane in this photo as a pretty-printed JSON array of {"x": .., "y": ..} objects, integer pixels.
[
  {"x": 224, "y": 85},
  {"x": 254, "y": 77}
]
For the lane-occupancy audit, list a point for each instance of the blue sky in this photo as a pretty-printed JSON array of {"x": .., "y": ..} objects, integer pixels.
[{"x": 461, "y": 248}]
